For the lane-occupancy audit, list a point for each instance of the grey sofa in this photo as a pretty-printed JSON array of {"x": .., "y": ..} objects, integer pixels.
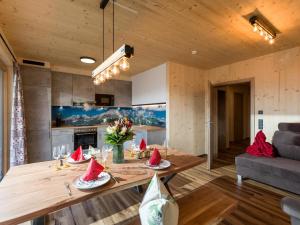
[
  {"x": 291, "y": 207},
  {"x": 281, "y": 172}
]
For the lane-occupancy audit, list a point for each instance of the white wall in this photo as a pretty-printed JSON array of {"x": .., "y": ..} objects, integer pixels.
[{"x": 150, "y": 86}]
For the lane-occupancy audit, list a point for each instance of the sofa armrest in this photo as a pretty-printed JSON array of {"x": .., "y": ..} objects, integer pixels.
[{"x": 291, "y": 207}]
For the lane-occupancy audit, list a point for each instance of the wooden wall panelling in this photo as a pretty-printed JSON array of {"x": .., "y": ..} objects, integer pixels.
[
  {"x": 185, "y": 107},
  {"x": 275, "y": 83}
]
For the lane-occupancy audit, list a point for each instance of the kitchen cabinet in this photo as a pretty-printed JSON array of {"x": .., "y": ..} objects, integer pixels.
[
  {"x": 150, "y": 87},
  {"x": 37, "y": 104},
  {"x": 156, "y": 137},
  {"x": 62, "y": 89},
  {"x": 83, "y": 89},
  {"x": 68, "y": 88},
  {"x": 139, "y": 135},
  {"x": 122, "y": 91},
  {"x": 151, "y": 137},
  {"x": 63, "y": 137}
]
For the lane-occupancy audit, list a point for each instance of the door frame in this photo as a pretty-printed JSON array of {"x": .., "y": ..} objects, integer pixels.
[
  {"x": 211, "y": 131},
  {"x": 6, "y": 113}
]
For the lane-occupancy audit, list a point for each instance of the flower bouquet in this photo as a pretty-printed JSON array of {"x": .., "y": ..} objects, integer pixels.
[{"x": 116, "y": 134}]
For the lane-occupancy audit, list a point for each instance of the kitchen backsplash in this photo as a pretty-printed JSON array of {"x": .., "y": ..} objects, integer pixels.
[{"x": 154, "y": 115}]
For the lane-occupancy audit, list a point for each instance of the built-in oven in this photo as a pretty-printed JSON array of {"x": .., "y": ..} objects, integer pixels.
[{"x": 85, "y": 137}]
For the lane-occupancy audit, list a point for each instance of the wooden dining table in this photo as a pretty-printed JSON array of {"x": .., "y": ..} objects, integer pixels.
[{"x": 34, "y": 190}]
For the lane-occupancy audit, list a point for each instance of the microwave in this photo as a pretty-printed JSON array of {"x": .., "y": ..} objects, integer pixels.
[{"x": 104, "y": 100}]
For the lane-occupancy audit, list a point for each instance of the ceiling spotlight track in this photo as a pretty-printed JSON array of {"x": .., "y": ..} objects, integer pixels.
[
  {"x": 118, "y": 60},
  {"x": 263, "y": 29}
]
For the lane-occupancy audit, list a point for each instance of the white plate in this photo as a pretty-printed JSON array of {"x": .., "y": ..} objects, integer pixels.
[
  {"x": 86, "y": 156},
  {"x": 163, "y": 165},
  {"x": 103, "y": 178}
]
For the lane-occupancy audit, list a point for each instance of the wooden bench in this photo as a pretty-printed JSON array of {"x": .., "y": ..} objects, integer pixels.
[{"x": 205, "y": 205}]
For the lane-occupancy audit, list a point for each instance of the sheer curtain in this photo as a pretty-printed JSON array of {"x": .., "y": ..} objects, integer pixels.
[{"x": 18, "y": 151}]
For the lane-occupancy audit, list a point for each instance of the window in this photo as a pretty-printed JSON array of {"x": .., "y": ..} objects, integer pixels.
[{"x": 1, "y": 123}]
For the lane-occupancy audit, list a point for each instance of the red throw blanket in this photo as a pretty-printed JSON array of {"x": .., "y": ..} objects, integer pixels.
[{"x": 260, "y": 147}]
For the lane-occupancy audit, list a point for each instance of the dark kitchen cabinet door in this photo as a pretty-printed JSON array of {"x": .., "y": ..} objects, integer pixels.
[
  {"x": 37, "y": 103},
  {"x": 62, "y": 89},
  {"x": 83, "y": 89}
]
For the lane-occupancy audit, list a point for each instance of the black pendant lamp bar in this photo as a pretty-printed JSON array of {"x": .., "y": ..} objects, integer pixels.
[{"x": 118, "y": 60}]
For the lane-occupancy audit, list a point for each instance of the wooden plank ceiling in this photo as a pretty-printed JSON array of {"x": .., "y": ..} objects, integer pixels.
[{"x": 60, "y": 31}]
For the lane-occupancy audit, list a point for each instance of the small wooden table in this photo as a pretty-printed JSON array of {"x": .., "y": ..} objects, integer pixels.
[{"x": 33, "y": 190}]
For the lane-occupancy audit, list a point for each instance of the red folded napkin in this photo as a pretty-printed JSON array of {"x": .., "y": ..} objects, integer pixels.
[
  {"x": 93, "y": 170},
  {"x": 78, "y": 154},
  {"x": 155, "y": 158},
  {"x": 143, "y": 145}
]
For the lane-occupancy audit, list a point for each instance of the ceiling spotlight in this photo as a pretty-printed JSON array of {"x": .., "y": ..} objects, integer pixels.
[
  {"x": 264, "y": 29},
  {"x": 87, "y": 60},
  {"x": 194, "y": 52}
]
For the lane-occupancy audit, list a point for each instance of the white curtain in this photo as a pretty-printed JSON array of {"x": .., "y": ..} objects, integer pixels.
[{"x": 18, "y": 151}]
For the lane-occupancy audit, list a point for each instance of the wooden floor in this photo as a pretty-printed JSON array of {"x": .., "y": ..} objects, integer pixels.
[{"x": 258, "y": 203}]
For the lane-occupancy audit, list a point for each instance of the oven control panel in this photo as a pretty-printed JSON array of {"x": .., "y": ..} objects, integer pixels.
[{"x": 85, "y": 130}]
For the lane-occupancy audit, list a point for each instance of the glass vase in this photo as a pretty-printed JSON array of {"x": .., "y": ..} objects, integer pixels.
[{"x": 118, "y": 154}]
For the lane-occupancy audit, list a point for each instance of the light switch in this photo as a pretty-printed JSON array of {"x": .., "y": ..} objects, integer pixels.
[{"x": 260, "y": 124}]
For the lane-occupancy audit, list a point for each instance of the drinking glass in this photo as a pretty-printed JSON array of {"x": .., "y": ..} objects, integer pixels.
[
  {"x": 68, "y": 149},
  {"x": 64, "y": 152},
  {"x": 105, "y": 151},
  {"x": 166, "y": 145},
  {"x": 56, "y": 154}
]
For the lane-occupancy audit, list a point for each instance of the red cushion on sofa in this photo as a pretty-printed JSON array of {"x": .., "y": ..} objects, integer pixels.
[{"x": 260, "y": 147}]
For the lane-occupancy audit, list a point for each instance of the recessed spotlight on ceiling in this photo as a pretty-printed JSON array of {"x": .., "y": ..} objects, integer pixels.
[
  {"x": 88, "y": 60},
  {"x": 194, "y": 52}
]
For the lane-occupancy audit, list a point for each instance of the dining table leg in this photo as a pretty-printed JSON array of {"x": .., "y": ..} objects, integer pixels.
[
  {"x": 140, "y": 189},
  {"x": 39, "y": 221},
  {"x": 166, "y": 181}
]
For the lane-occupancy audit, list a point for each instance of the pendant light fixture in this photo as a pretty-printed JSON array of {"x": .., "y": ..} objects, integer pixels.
[{"x": 115, "y": 63}]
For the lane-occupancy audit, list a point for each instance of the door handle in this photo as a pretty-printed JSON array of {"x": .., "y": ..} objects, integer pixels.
[{"x": 49, "y": 129}]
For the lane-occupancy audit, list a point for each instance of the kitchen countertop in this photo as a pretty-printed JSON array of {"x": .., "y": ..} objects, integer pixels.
[{"x": 135, "y": 127}]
